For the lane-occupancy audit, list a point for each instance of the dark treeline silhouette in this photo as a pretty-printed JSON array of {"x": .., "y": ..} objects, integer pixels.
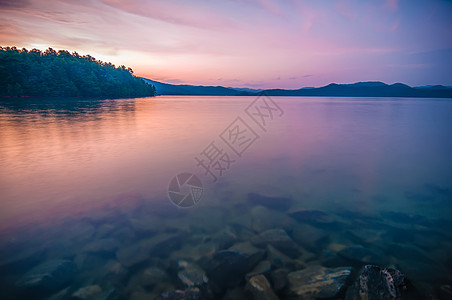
[{"x": 62, "y": 74}]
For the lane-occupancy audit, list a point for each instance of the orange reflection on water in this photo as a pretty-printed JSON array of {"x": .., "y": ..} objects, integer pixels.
[{"x": 61, "y": 158}]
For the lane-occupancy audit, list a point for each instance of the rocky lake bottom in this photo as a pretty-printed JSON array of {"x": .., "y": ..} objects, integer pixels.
[{"x": 264, "y": 247}]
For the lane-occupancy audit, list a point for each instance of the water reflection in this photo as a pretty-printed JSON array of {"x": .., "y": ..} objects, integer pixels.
[{"x": 85, "y": 182}]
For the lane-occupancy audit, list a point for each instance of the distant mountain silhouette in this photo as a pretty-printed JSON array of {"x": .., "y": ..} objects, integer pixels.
[
  {"x": 184, "y": 89},
  {"x": 368, "y": 89},
  {"x": 358, "y": 89}
]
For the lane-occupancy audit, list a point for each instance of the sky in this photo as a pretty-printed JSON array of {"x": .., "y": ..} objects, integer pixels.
[{"x": 246, "y": 43}]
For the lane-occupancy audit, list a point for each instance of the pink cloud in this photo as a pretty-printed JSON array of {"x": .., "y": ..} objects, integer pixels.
[
  {"x": 395, "y": 26},
  {"x": 392, "y": 5},
  {"x": 173, "y": 11}
]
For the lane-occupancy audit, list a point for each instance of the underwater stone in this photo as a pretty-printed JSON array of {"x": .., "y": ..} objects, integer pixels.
[
  {"x": 192, "y": 277},
  {"x": 152, "y": 276},
  {"x": 164, "y": 243},
  {"x": 402, "y": 217},
  {"x": 135, "y": 254},
  {"x": 361, "y": 255},
  {"x": 445, "y": 292},
  {"x": 279, "y": 239},
  {"x": 317, "y": 282},
  {"x": 132, "y": 255},
  {"x": 407, "y": 252},
  {"x": 113, "y": 272},
  {"x": 310, "y": 237},
  {"x": 147, "y": 224},
  {"x": 228, "y": 267},
  {"x": 263, "y": 267},
  {"x": 88, "y": 292},
  {"x": 253, "y": 254},
  {"x": 375, "y": 283},
  {"x": 101, "y": 246},
  {"x": 365, "y": 236},
  {"x": 199, "y": 252},
  {"x": 50, "y": 275},
  {"x": 260, "y": 288},
  {"x": 237, "y": 293},
  {"x": 313, "y": 217},
  {"x": 280, "y": 260},
  {"x": 263, "y": 219},
  {"x": 188, "y": 294},
  {"x": 225, "y": 239},
  {"x": 278, "y": 203},
  {"x": 332, "y": 260},
  {"x": 279, "y": 279}
]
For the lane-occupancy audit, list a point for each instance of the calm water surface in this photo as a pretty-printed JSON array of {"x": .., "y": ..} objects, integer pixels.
[{"x": 74, "y": 173}]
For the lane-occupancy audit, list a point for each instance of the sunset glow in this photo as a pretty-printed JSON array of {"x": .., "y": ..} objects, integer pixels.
[{"x": 246, "y": 43}]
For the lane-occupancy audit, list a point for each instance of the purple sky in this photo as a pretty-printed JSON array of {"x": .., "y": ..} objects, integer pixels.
[{"x": 246, "y": 43}]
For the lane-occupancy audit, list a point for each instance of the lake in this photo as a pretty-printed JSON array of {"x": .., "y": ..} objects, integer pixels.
[{"x": 344, "y": 182}]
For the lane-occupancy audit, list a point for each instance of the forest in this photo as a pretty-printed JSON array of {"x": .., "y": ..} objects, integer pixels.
[{"x": 51, "y": 73}]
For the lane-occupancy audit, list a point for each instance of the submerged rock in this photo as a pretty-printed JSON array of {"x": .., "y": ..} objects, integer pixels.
[
  {"x": 132, "y": 255},
  {"x": 445, "y": 292},
  {"x": 361, "y": 255},
  {"x": 317, "y": 282},
  {"x": 101, "y": 246},
  {"x": 148, "y": 224},
  {"x": 310, "y": 237},
  {"x": 188, "y": 294},
  {"x": 263, "y": 267},
  {"x": 199, "y": 252},
  {"x": 227, "y": 268},
  {"x": 17, "y": 253},
  {"x": 407, "y": 252},
  {"x": 253, "y": 254},
  {"x": 207, "y": 219},
  {"x": 278, "y": 203},
  {"x": 279, "y": 239},
  {"x": 89, "y": 261},
  {"x": 280, "y": 260},
  {"x": 192, "y": 277},
  {"x": 279, "y": 279},
  {"x": 313, "y": 217},
  {"x": 237, "y": 293},
  {"x": 375, "y": 283},
  {"x": 88, "y": 292},
  {"x": 402, "y": 217},
  {"x": 60, "y": 295},
  {"x": 50, "y": 275},
  {"x": 113, "y": 272},
  {"x": 149, "y": 278},
  {"x": 260, "y": 288},
  {"x": 160, "y": 245},
  {"x": 330, "y": 259},
  {"x": 225, "y": 239},
  {"x": 365, "y": 236},
  {"x": 263, "y": 219}
]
